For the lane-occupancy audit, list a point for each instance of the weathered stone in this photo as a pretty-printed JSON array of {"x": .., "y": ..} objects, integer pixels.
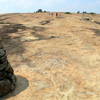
[
  {"x": 2, "y": 53},
  {"x": 3, "y": 65},
  {"x": 6, "y": 86},
  {"x": 7, "y": 77}
]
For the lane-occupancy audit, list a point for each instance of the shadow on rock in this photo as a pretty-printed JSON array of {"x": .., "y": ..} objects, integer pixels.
[
  {"x": 97, "y": 22},
  {"x": 45, "y": 22},
  {"x": 11, "y": 42},
  {"x": 12, "y": 28},
  {"x": 21, "y": 85},
  {"x": 38, "y": 33},
  {"x": 97, "y": 31},
  {"x": 42, "y": 37},
  {"x": 38, "y": 28}
]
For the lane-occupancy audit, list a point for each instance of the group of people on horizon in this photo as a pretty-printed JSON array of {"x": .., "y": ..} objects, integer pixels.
[{"x": 55, "y": 14}]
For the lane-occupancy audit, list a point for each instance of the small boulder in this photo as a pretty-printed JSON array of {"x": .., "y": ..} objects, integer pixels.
[{"x": 7, "y": 77}]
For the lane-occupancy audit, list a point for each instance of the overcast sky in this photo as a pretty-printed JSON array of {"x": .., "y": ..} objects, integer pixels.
[{"x": 11, "y": 6}]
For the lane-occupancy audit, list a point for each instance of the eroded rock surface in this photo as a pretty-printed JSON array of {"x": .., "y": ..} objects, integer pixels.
[
  {"x": 56, "y": 61},
  {"x": 7, "y": 77}
]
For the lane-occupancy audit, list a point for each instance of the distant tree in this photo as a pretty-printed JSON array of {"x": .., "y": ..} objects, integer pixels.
[
  {"x": 44, "y": 11},
  {"x": 92, "y": 13},
  {"x": 78, "y": 12},
  {"x": 39, "y": 10},
  {"x": 67, "y": 12},
  {"x": 84, "y": 12}
]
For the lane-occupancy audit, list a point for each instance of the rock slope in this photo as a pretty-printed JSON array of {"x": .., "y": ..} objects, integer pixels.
[{"x": 59, "y": 60}]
